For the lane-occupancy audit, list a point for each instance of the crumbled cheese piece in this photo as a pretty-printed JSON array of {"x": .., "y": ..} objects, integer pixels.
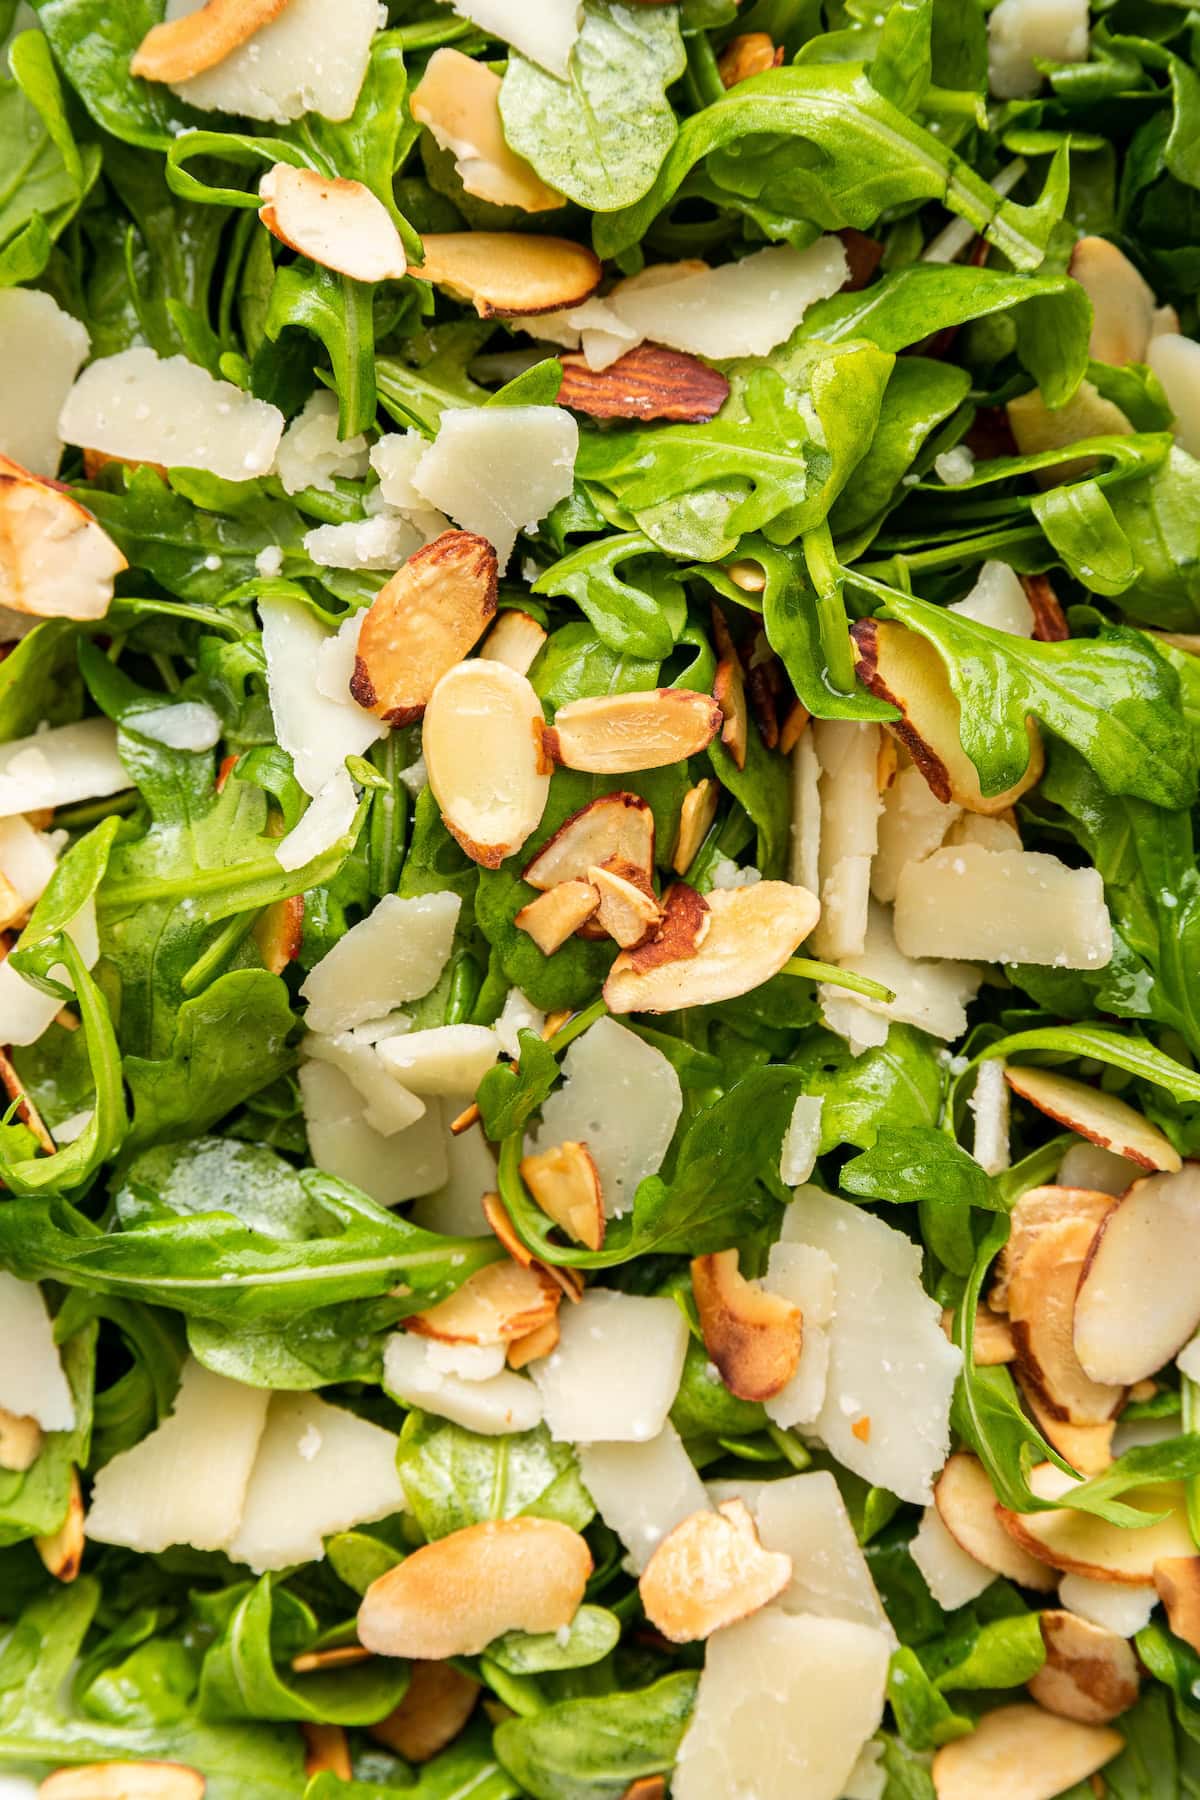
[
  {"x": 389, "y": 1169},
  {"x": 318, "y": 733},
  {"x": 543, "y": 30},
  {"x": 615, "y": 1373},
  {"x": 382, "y": 542},
  {"x": 642, "y": 1491},
  {"x": 998, "y": 600},
  {"x": 1020, "y": 31},
  {"x": 954, "y": 467},
  {"x": 32, "y": 1383},
  {"x": 59, "y": 766},
  {"x": 328, "y": 818},
  {"x": 182, "y": 725},
  {"x": 43, "y": 349},
  {"x": 801, "y": 1141},
  {"x": 500, "y": 470},
  {"x": 492, "y": 1405},
  {"x": 395, "y": 954},
  {"x": 311, "y": 453},
  {"x": 518, "y": 1014}
]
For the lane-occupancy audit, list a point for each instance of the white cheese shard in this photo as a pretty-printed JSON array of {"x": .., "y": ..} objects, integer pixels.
[
  {"x": 504, "y": 1402},
  {"x": 808, "y": 1279},
  {"x": 1020, "y": 31},
  {"x": 1176, "y": 362},
  {"x": 181, "y": 725},
  {"x": 743, "y": 308},
  {"x": 1003, "y": 906},
  {"x": 311, "y": 453},
  {"x": 25, "y": 1011},
  {"x": 336, "y": 659},
  {"x": 319, "y": 1470},
  {"x": 912, "y": 826},
  {"x": 543, "y": 30},
  {"x": 642, "y": 1491},
  {"x": 42, "y": 349},
  {"x": 327, "y": 819},
  {"x": 382, "y": 541},
  {"x": 952, "y": 1576},
  {"x": 294, "y": 65},
  {"x": 517, "y": 1015},
  {"x": 394, "y": 459},
  {"x": 149, "y": 408},
  {"x": 784, "y": 1708},
  {"x": 444, "y": 1060},
  {"x": 614, "y": 1375},
  {"x": 998, "y": 600},
  {"x": 396, "y": 953},
  {"x": 60, "y": 766},
  {"x": 1123, "y": 1607},
  {"x": 28, "y": 858},
  {"x": 32, "y": 1383},
  {"x": 891, "y": 1369},
  {"x": 801, "y": 1141},
  {"x": 848, "y": 753},
  {"x": 868, "y": 1779},
  {"x": 991, "y": 1106},
  {"x": 620, "y": 1097},
  {"x": 455, "y": 1209},
  {"x": 499, "y": 470},
  {"x": 805, "y": 870},
  {"x": 318, "y": 733},
  {"x": 390, "y": 1169},
  {"x": 186, "y": 1482},
  {"x": 931, "y": 994},
  {"x": 388, "y": 1107}
]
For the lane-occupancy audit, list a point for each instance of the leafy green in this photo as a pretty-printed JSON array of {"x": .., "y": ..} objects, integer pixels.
[
  {"x": 454, "y": 1478},
  {"x": 592, "y": 1748}
]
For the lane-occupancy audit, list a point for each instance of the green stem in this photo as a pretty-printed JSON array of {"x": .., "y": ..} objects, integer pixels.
[
  {"x": 832, "y": 976},
  {"x": 1190, "y": 1393},
  {"x": 705, "y": 77},
  {"x": 825, "y": 573},
  {"x": 211, "y": 961}
]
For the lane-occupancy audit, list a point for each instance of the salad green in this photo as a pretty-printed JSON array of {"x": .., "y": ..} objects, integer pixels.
[{"x": 599, "y": 711}]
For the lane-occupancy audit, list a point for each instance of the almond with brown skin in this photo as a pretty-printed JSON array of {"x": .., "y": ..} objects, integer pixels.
[
  {"x": 124, "y": 1781},
  {"x": 1034, "y": 1211},
  {"x": 729, "y": 692},
  {"x": 504, "y": 274},
  {"x": 750, "y": 53},
  {"x": 200, "y": 40},
  {"x": 793, "y": 727},
  {"x": 484, "y": 745},
  {"x": 1087, "y": 1448},
  {"x": 614, "y": 826},
  {"x": 1089, "y": 1674},
  {"x": 1049, "y": 621},
  {"x": 1041, "y": 1307},
  {"x": 966, "y": 1504},
  {"x": 557, "y": 914},
  {"x": 1078, "y": 1543},
  {"x": 650, "y": 382},
  {"x": 326, "y": 1750},
  {"x": 696, "y": 817},
  {"x": 565, "y": 1184},
  {"x": 752, "y": 1336},
  {"x": 614, "y": 734},
  {"x": 863, "y": 256},
  {"x": 568, "y": 1281},
  {"x": 709, "y": 1572},
  {"x": 1101, "y": 1118},
  {"x": 335, "y": 222},
  {"x": 1177, "y": 1579},
  {"x": 437, "y": 1704},
  {"x": 421, "y": 623},
  {"x": 505, "y": 1300},
  {"x": 751, "y": 932}
]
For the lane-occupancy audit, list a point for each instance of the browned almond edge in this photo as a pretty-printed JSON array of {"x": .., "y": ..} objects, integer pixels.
[
  {"x": 866, "y": 643},
  {"x": 181, "y": 48},
  {"x": 649, "y": 382},
  {"x": 452, "y": 547}
]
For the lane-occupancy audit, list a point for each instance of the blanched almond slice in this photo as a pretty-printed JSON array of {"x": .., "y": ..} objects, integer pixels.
[
  {"x": 1122, "y": 303},
  {"x": 61, "y": 1551},
  {"x": 1101, "y": 1118},
  {"x": 124, "y": 1781},
  {"x": 516, "y": 637},
  {"x": 710, "y": 1571},
  {"x": 793, "y": 727},
  {"x": 966, "y": 1504},
  {"x": 1089, "y": 1674},
  {"x": 421, "y": 623},
  {"x": 557, "y": 914},
  {"x": 992, "y": 1343},
  {"x": 751, "y": 933},
  {"x": 901, "y": 666},
  {"x": 20, "y": 1441},
  {"x": 626, "y": 911},
  {"x": 753, "y": 1336},
  {"x": 326, "y": 1750},
  {"x": 568, "y": 1281},
  {"x": 437, "y": 1704},
  {"x": 615, "y": 825},
  {"x": 458, "y": 100},
  {"x": 504, "y": 1301},
  {"x": 1177, "y": 1579},
  {"x": 750, "y": 53},
  {"x": 1035, "y": 1210},
  {"x": 1080, "y": 1544},
  {"x": 648, "y": 382},
  {"x": 748, "y": 575},
  {"x": 1041, "y": 1306},
  {"x": 482, "y": 741},
  {"x": 279, "y": 933},
  {"x": 696, "y": 816},
  {"x": 200, "y": 40},
  {"x": 612, "y": 734},
  {"x": 1139, "y": 1301},
  {"x": 55, "y": 561},
  {"x": 1087, "y": 1448},
  {"x": 506, "y": 275},
  {"x": 523, "y": 1351},
  {"x": 564, "y": 1182},
  {"x": 452, "y": 1597},
  {"x": 338, "y": 223},
  {"x": 729, "y": 692},
  {"x": 1022, "y": 1753}
]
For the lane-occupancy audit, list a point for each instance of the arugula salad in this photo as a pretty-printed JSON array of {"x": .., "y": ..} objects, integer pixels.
[{"x": 600, "y": 962}]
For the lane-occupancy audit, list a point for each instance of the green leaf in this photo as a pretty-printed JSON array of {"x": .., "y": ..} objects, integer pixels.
[
  {"x": 339, "y": 312},
  {"x": 453, "y": 1478},
  {"x": 93, "y": 44},
  {"x": 899, "y": 1083},
  {"x": 915, "y": 1162},
  {"x": 591, "y": 1749},
  {"x": 924, "y": 1718},
  {"x": 509, "y": 1094},
  {"x": 45, "y": 175},
  {"x": 592, "y": 1633},
  {"x": 632, "y": 620},
  {"x": 1002, "y": 1654}
]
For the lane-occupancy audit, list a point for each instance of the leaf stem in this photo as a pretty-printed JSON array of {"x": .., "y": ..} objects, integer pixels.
[
  {"x": 825, "y": 573},
  {"x": 1190, "y": 1394},
  {"x": 832, "y": 976}
]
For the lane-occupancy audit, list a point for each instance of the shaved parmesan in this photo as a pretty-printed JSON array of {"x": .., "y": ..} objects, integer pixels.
[
  {"x": 868, "y": 1779},
  {"x": 28, "y": 858},
  {"x": 808, "y": 1279},
  {"x": 319, "y": 1470},
  {"x": 504, "y": 1402},
  {"x": 543, "y": 30},
  {"x": 389, "y": 1169},
  {"x": 60, "y": 766},
  {"x": 743, "y": 308},
  {"x": 996, "y": 832},
  {"x": 642, "y": 1491},
  {"x": 1176, "y": 362},
  {"x": 1003, "y": 906},
  {"x": 621, "y": 1098},
  {"x": 43, "y": 350},
  {"x": 25, "y": 1011},
  {"x": 294, "y": 65},
  {"x": 396, "y": 953},
  {"x": 615, "y": 1373},
  {"x": 998, "y": 600},
  {"x": 447, "y": 1059},
  {"x": 890, "y": 1362},
  {"x": 318, "y": 733},
  {"x": 806, "y": 815},
  {"x": 1102, "y": 1171},
  {"x": 329, "y": 818},
  {"x": 394, "y": 459},
  {"x": 801, "y": 1141},
  {"x": 148, "y": 408},
  {"x": 952, "y": 1577},
  {"x": 518, "y": 1014},
  {"x": 186, "y": 1482},
  {"x": 499, "y": 470},
  {"x": 848, "y": 753},
  {"x": 1022, "y": 33},
  {"x": 990, "y": 1103},
  {"x": 32, "y": 1383},
  {"x": 336, "y": 659},
  {"x": 456, "y": 1208},
  {"x": 1113, "y": 1605},
  {"x": 183, "y": 725},
  {"x": 389, "y": 1107},
  {"x": 311, "y": 453},
  {"x": 911, "y": 827},
  {"x": 383, "y": 541},
  {"x": 931, "y": 994}
]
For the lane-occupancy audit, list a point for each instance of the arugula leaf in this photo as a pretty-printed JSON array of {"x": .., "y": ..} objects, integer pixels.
[
  {"x": 924, "y": 1717},
  {"x": 632, "y": 620},
  {"x": 509, "y": 1095},
  {"x": 915, "y": 1162},
  {"x": 592, "y": 1633},
  {"x": 897, "y": 1084},
  {"x": 453, "y": 1478},
  {"x": 34, "y": 1503},
  {"x": 47, "y": 175},
  {"x": 592, "y": 1748}
]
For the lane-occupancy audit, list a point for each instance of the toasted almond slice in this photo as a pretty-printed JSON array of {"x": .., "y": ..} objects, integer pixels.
[
  {"x": 747, "y": 574},
  {"x": 648, "y": 382},
  {"x": 187, "y": 46},
  {"x": 437, "y": 1704},
  {"x": 506, "y": 275},
  {"x": 567, "y": 1281},
  {"x": 992, "y": 1343},
  {"x": 341, "y": 1656},
  {"x": 333, "y": 221},
  {"x": 421, "y": 623},
  {"x": 516, "y": 637},
  {"x": 696, "y": 817},
  {"x": 751, "y": 933},
  {"x": 764, "y": 687},
  {"x": 901, "y": 666},
  {"x": 1035, "y": 1210},
  {"x": 729, "y": 692},
  {"x": 709, "y": 1572},
  {"x": 1088, "y": 1448},
  {"x": 95, "y": 460},
  {"x": 793, "y": 727},
  {"x": 61, "y": 1551},
  {"x": 482, "y": 741},
  {"x": 750, "y": 53},
  {"x": 279, "y": 933},
  {"x": 753, "y": 1336},
  {"x": 1090, "y": 1674},
  {"x": 1122, "y": 303},
  {"x": 616, "y": 825},
  {"x": 1101, "y": 1118},
  {"x": 20, "y": 1441},
  {"x": 124, "y": 1781},
  {"x": 685, "y": 925},
  {"x": 458, "y": 100},
  {"x": 539, "y": 1343},
  {"x": 626, "y": 911},
  {"x": 1022, "y": 1753},
  {"x": 27, "y": 1112},
  {"x": 452, "y": 1597},
  {"x": 966, "y": 1504},
  {"x": 1138, "y": 1302},
  {"x": 1049, "y": 621},
  {"x": 1080, "y": 1544},
  {"x": 564, "y": 1182},
  {"x": 1177, "y": 1579},
  {"x": 504, "y": 1301},
  {"x": 557, "y": 914},
  {"x": 326, "y": 1749},
  {"x": 55, "y": 560},
  {"x": 611, "y": 734},
  {"x": 646, "y": 1787},
  {"x": 1041, "y": 1307},
  {"x": 13, "y": 909}
]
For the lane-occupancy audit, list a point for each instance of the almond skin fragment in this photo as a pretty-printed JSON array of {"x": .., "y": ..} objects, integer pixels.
[
  {"x": 649, "y": 382},
  {"x": 124, "y": 1781},
  {"x": 1177, "y": 1579},
  {"x": 55, "y": 560},
  {"x": 696, "y": 817},
  {"x": 437, "y": 1704},
  {"x": 626, "y": 912},
  {"x": 326, "y": 1750},
  {"x": 503, "y": 1301},
  {"x": 616, "y": 825},
  {"x": 1089, "y": 1674},
  {"x": 1022, "y": 1753},
  {"x": 454, "y": 1596},
  {"x": 61, "y": 1551},
  {"x": 421, "y": 623},
  {"x": 185, "y": 47},
  {"x": 752, "y": 931},
  {"x": 729, "y": 692},
  {"x": 709, "y": 1572},
  {"x": 483, "y": 741},
  {"x": 522, "y": 1351},
  {"x": 564, "y": 1182},
  {"x": 504, "y": 274},
  {"x": 1049, "y": 621},
  {"x": 557, "y": 914},
  {"x": 684, "y": 926},
  {"x": 750, "y": 53},
  {"x": 515, "y": 638},
  {"x": 613, "y": 734},
  {"x": 338, "y": 223},
  {"x": 754, "y": 1337}
]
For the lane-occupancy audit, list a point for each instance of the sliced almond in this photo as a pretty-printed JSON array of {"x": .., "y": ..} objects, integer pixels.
[
  {"x": 1101, "y": 1118},
  {"x": 753, "y": 1336},
  {"x": 482, "y": 741},
  {"x": 793, "y": 727},
  {"x": 564, "y": 1182},
  {"x": 614, "y": 826},
  {"x": 340, "y": 1656},
  {"x": 515, "y": 638},
  {"x": 747, "y": 574},
  {"x": 1177, "y": 1579},
  {"x": 200, "y": 40},
  {"x": 335, "y": 222},
  {"x": 20, "y": 1441},
  {"x": 649, "y": 382},
  {"x": 1022, "y": 1753},
  {"x": 522, "y": 1351},
  {"x": 1049, "y": 621},
  {"x": 61, "y": 1551},
  {"x": 1078, "y": 1543},
  {"x": 710, "y": 1571},
  {"x": 55, "y": 560},
  {"x": 421, "y": 623},
  {"x": 124, "y": 1781},
  {"x": 95, "y": 460},
  {"x": 749, "y": 53},
  {"x": 966, "y": 1504},
  {"x": 27, "y": 1112},
  {"x": 326, "y": 1750},
  {"x": 506, "y": 275},
  {"x": 626, "y": 911},
  {"x": 1041, "y": 1307},
  {"x": 1088, "y": 1448},
  {"x": 646, "y": 1787},
  {"x": 729, "y": 692},
  {"x": 992, "y": 1344},
  {"x": 437, "y": 1703},
  {"x": 765, "y": 686},
  {"x": 901, "y": 666},
  {"x": 1138, "y": 1302},
  {"x": 13, "y": 909},
  {"x": 1090, "y": 1674},
  {"x": 696, "y": 817},
  {"x": 568, "y": 1281},
  {"x": 557, "y": 914},
  {"x": 1122, "y": 303},
  {"x": 279, "y": 933},
  {"x": 1034, "y": 1211},
  {"x": 752, "y": 931},
  {"x": 612, "y": 734},
  {"x": 454, "y": 1596},
  {"x": 458, "y": 101},
  {"x": 504, "y": 1301}
]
